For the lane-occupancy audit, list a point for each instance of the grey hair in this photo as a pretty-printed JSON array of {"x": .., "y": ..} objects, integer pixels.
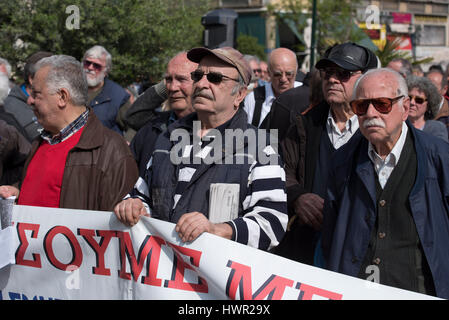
[
  {"x": 402, "y": 84},
  {"x": 7, "y": 66},
  {"x": 4, "y": 88},
  {"x": 431, "y": 92},
  {"x": 250, "y": 58},
  {"x": 99, "y": 52},
  {"x": 66, "y": 72},
  {"x": 238, "y": 86}
]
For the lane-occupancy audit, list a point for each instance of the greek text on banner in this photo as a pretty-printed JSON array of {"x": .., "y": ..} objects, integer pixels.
[{"x": 76, "y": 254}]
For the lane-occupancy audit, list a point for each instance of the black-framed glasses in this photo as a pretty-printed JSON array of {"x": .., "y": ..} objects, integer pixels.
[
  {"x": 212, "y": 77},
  {"x": 419, "y": 100},
  {"x": 97, "y": 66},
  {"x": 341, "y": 74},
  {"x": 383, "y": 104}
]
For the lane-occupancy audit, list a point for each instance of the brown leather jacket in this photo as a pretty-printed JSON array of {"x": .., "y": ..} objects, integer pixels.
[{"x": 99, "y": 171}]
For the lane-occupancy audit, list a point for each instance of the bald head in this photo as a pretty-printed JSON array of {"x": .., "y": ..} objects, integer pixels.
[{"x": 282, "y": 68}]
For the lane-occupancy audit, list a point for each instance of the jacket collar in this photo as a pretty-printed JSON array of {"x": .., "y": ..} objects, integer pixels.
[
  {"x": 92, "y": 136},
  {"x": 238, "y": 121}
]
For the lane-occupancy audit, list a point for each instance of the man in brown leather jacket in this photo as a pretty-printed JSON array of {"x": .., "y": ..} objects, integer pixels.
[{"x": 76, "y": 163}]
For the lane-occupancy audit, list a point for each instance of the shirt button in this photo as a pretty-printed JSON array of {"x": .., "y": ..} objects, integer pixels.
[
  {"x": 382, "y": 203},
  {"x": 382, "y": 235},
  {"x": 376, "y": 261}
]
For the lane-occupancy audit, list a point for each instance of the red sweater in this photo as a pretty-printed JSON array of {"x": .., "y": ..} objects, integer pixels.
[{"x": 43, "y": 180}]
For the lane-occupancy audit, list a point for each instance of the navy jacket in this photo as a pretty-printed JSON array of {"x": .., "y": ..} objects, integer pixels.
[
  {"x": 108, "y": 102},
  {"x": 350, "y": 208}
]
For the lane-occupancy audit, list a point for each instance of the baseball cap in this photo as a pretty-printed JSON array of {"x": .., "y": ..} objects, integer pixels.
[
  {"x": 349, "y": 56},
  {"x": 228, "y": 55}
]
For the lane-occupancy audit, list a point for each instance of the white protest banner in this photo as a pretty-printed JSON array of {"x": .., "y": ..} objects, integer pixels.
[{"x": 76, "y": 254}]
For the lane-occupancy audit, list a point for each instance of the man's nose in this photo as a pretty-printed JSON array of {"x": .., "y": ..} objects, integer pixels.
[
  {"x": 371, "y": 112},
  {"x": 30, "y": 100}
]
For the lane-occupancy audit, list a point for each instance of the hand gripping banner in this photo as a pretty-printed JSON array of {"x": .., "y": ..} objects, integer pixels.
[{"x": 75, "y": 254}]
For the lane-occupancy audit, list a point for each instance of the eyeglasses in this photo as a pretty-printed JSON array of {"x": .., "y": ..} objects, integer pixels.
[
  {"x": 212, "y": 77},
  {"x": 97, "y": 66},
  {"x": 279, "y": 74},
  {"x": 383, "y": 105},
  {"x": 341, "y": 74},
  {"x": 257, "y": 70},
  {"x": 418, "y": 100}
]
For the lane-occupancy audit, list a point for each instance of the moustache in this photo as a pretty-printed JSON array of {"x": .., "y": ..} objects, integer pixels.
[
  {"x": 200, "y": 93},
  {"x": 373, "y": 122}
]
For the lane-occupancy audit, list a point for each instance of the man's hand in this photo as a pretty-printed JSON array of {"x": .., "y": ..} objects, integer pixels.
[
  {"x": 309, "y": 209},
  {"x": 8, "y": 191},
  {"x": 129, "y": 211},
  {"x": 191, "y": 225}
]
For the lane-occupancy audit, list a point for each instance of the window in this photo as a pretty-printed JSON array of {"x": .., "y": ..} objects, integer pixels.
[{"x": 432, "y": 35}]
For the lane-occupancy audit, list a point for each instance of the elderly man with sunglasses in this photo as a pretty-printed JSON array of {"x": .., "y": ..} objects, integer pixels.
[
  {"x": 106, "y": 97},
  {"x": 187, "y": 169},
  {"x": 310, "y": 142},
  {"x": 387, "y": 205}
]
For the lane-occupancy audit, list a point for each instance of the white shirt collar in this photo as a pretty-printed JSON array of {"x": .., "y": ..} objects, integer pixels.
[
  {"x": 351, "y": 125},
  {"x": 393, "y": 156}
]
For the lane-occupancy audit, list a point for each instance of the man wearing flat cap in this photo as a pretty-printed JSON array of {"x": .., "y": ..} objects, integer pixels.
[
  {"x": 188, "y": 175},
  {"x": 310, "y": 142}
]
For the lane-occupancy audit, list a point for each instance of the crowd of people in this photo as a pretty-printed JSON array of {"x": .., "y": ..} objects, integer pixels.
[{"x": 357, "y": 172}]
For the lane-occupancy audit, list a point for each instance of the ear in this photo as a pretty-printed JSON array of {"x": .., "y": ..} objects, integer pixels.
[
  {"x": 239, "y": 97},
  {"x": 406, "y": 107},
  {"x": 64, "y": 97}
]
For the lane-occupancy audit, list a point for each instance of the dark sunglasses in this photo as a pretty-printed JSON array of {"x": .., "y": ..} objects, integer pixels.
[
  {"x": 383, "y": 105},
  {"x": 97, "y": 66},
  {"x": 212, "y": 77},
  {"x": 418, "y": 100},
  {"x": 341, "y": 74},
  {"x": 257, "y": 70}
]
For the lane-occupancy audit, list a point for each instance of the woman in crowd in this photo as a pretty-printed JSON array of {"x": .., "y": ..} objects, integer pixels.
[{"x": 424, "y": 104}]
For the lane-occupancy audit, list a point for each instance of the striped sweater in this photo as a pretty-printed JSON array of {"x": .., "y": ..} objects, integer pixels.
[{"x": 262, "y": 216}]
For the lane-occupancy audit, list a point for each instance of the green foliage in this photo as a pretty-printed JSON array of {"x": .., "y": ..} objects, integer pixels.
[
  {"x": 390, "y": 52},
  {"x": 249, "y": 45},
  {"x": 141, "y": 35}
]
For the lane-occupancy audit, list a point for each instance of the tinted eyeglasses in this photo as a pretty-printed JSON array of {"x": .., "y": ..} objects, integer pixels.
[
  {"x": 418, "y": 100},
  {"x": 212, "y": 77},
  {"x": 341, "y": 74},
  {"x": 97, "y": 66},
  {"x": 383, "y": 105}
]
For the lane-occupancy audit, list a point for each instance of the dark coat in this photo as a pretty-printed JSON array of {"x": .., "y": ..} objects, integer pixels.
[
  {"x": 300, "y": 151},
  {"x": 20, "y": 114},
  {"x": 107, "y": 103},
  {"x": 144, "y": 108},
  {"x": 14, "y": 149},
  {"x": 350, "y": 208},
  {"x": 99, "y": 171},
  {"x": 142, "y": 145}
]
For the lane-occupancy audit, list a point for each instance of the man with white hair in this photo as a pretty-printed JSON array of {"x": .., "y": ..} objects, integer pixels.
[
  {"x": 105, "y": 96},
  {"x": 76, "y": 163},
  {"x": 387, "y": 196}
]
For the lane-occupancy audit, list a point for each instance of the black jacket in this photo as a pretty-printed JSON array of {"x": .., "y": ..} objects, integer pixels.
[{"x": 142, "y": 145}]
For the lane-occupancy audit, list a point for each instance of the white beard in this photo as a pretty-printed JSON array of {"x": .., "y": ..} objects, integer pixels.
[{"x": 92, "y": 80}]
